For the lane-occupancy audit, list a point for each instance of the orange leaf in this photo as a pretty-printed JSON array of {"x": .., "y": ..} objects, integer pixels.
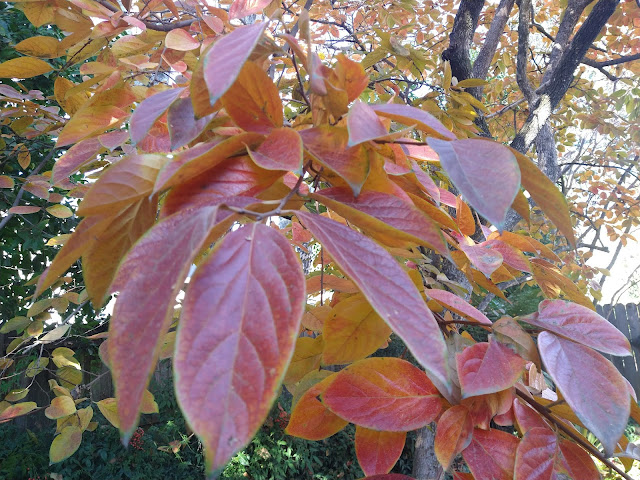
[
  {"x": 387, "y": 394},
  {"x": 464, "y": 217},
  {"x": 378, "y": 452},
  {"x": 88, "y": 121},
  {"x": 179, "y": 39},
  {"x": 453, "y": 434},
  {"x": 491, "y": 454},
  {"x": 281, "y": 150},
  {"x": 24, "y": 67}
]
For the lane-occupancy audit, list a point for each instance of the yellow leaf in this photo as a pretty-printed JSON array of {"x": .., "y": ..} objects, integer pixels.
[
  {"x": 85, "y": 415},
  {"x": 69, "y": 376},
  {"x": 16, "y": 323},
  {"x": 60, "y": 407},
  {"x": 39, "y": 307},
  {"x": 446, "y": 84},
  {"x": 179, "y": 39},
  {"x": 36, "y": 366},
  {"x": 38, "y": 13},
  {"x": 24, "y": 67},
  {"x": 148, "y": 405},
  {"x": 70, "y": 103},
  {"x": 24, "y": 157},
  {"x": 471, "y": 82},
  {"x": 15, "y": 395},
  {"x": 55, "y": 334},
  {"x": 65, "y": 444},
  {"x": 63, "y": 356},
  {"x": 109, "y": 408},
  {"x": 39, "y": 46},
  {"x": 58, "y": 240},
  {"x": 60, "y": 211}
]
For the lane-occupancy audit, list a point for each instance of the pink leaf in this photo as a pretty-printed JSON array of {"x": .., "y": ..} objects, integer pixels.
[
  {"x": 363, "y": 124},
  {"x": 458, "y": 305},
  {"x": 149, "y": 111}
]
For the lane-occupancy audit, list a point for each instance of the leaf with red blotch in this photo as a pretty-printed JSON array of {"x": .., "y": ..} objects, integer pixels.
[
  {"x": 378, "y": 452},
  {"x": 487, "y": 368},
  {"x": 453, "y": 434},
  {"x": 310, "y": 419},
  {"x": 387, "y": 218},
  {"x": 491, "y": 454},
  {"x": 100, "y": 260},
  {"x": 363, "y": 124},
  {"x": 485, "y": 259},
  {"x": 591, "y": 385},
  {"x": 510, "y": 255},
  {"x": 237, "y": 333},
  {"x": 253, "y": 101},
  {"x": 581, "y": 325},
  {"x": 125, "y": 182},
  {"x": 144, "y": 309},
  {"x": 181, "y": 40},
  {"x": 23, "y": 210},
  {"x": 80, "y": 154},
  {"x": 387, "y": 394},
  {"x": 414, "y": 116},
  {"x": 537, "y": 455},
  {"x": 458, "y": 305},
  {"x": 546, "y": 195},
  {"x": 242, "y": 8},
  {"x": 462, "y": 476},
  {"x": 83, "y": 238},
  {"x": 577, "y": 462},
  {"x": 149, "y": 111},
  {"x": 486, "y": 174},
  {"x": 6, "y": 181},
  {"x": 352, "y": 331},
  {"x": 183, "y": 124},
  {"x": 328, "y": 145},
  {"x": 281, "y": 150},
  {"x": 222, "y": 63},
  {"x": 235, "y": 177},
  {"x": 17, "y": 410},
  {"x": 88, "y": 121},
  {"x": 388, "y": 289},
  {"x": 197, "y": 160},
  {"x": 388, "y": 476},
  {"x": 527, "y": 417}
]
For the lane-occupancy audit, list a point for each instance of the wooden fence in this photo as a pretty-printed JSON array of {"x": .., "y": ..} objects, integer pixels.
[{"x": 626, "y": 318}]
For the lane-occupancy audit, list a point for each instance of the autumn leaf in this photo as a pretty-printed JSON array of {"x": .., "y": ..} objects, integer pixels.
[
  {"x": 378, "y": 452},
  {"x": 24, "y": 67},
  {"x": 491, "y": 454},
  {"x": 453, "y": 434},
  {"x": 149, "y": 111},
  {"x": 60, "y": 407},
  {"x": 386, "y": 394},
  {"x": 245, "y": 335},
  {"x": 65, "y": 444}
]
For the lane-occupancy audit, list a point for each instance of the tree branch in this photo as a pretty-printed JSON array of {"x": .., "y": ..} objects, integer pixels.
[{"x": 524, "y": 20}]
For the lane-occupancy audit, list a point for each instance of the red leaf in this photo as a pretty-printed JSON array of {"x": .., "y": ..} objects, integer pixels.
[
  {"x": 242, "y": 8},
  {"x": 222, "y": 63},
  {"x": 80, "y": 154},
  {"x": 236, "y": 176},
  {"x": 144, "y": 309},
  {"x": 581, "y": 325},
  {"x": 486, "y": 174},
  {"x": 310, "y": 419},
  {"x": 388, "y": 476},
  {"x": 149, "y": 111},
  {"x": 23, "y": 210},
  {"x": 527, "y": 417},
  {"x": 328, "y": 145},
  {"x": 491, "y": 454},
  {"x": 536, "y": 456},
  {"x": 483, "y": 258},
  {"x": 510, "y": 255},
  {"x": 453, "y": 434},
  {"x": 182, "y": 123},
  {"x": 408, "y": 223},
  {"x": 363, "y": 124},
  {"x": 591, "y": 385},
  {"x": 488, "y": 368},
  {"x": 236, "y": 336},
  {"x": 457, "y": 305},
  {"x": 378, "y": 452},
  {"x": 281, "y": 150},
  {"x": 414, "y": 116},
  {"x": 388, "y": 289},
  {"x": 386, "y": 394},
  {"x": 202, "y": 157},
  {"x": 577, "y": 462}
]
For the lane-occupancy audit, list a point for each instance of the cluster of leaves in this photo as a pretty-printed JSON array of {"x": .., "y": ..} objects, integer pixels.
[{"x": 214, "y": 158}]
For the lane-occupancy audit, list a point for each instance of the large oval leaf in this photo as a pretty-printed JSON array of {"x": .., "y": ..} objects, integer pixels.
[
  {"x": 488, "y": 368},
  {"x": 363, "y": 124},
  {"x": 236, "y": 336},
  {"x": 143, "y": 312},
  {"x": 486, "y": 173},
  {"x": 458, "y": 305},
  {"x": 80, "y": 154},
  {"x": 388, "y": 394},
  {"x": 414, "y": 116},
  {"x": 536, "y": 456},
  {"x": 150, "y": 110},
  {"x": 388, "y": 289},
  {"x": 281, "y": 150},
  {"x": 590, "y": 384},
  {"x": 378, "y": 452},
  {"x": 491, "y": 454},
  {"x": 581, "y": 325},
  {"x": 65, "y": 444},
  {"x": 222, "y": 63}
]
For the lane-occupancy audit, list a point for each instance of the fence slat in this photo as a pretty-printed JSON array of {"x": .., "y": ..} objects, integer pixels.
[
  {"x": 612, "y": 316},
  {"x": 633, "y": 322}
]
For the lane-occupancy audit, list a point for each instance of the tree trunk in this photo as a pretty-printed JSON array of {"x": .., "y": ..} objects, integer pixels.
[{"x": 425, "y": 463}]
